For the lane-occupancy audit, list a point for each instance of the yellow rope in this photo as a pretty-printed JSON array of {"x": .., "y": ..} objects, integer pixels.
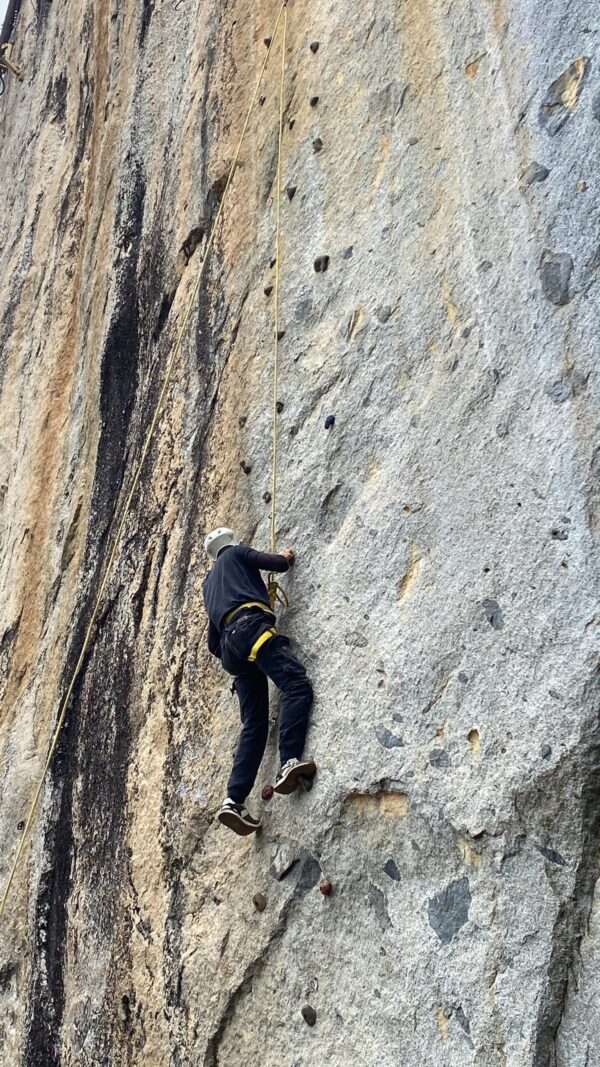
[
  {"x": 275, "y": 591},
  {"x": 146, "y": 447}
]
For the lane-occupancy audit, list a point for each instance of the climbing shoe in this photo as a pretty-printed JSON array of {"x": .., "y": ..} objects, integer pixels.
[
  {"x": 291, "y": 773},
  {"x": 238, "y": 818}
]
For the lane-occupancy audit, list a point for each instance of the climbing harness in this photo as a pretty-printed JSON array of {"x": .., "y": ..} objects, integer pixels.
[
  {"x": 260, "y": 641},
  {"x": 276, "y": 593},
  {"x": 250, "y": 604},
  {"x": 264, "y": 637},
  {"x": 150, "y": 434}
]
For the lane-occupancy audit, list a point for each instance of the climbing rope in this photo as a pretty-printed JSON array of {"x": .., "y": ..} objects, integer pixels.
[
  {"x": 144, "y": 453},
  {"x": 276, "y": 593}
]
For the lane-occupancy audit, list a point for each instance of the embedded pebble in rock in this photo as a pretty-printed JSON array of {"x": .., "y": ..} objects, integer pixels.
[
  {"x": 455, "y": 337},
  {"x": 387, "y": 738},
  {"x": 326, "y": 888},
  {"x": 260, "y": 901},
  {"x": 559, "y": 391},
  {"x": 355, "y": 640},
  {"x": 438, "y": 757},
  {"x": 448, "y": 911},
  {"x": 555, "y": 271},
  {"x": 285, "y": 859},
  {"x": 536, "y": 172},
  {"x": 309, "y": 872},
  {"x": 462, "y": 1020},
  {"x": 493, "y": 614},
  {"x": 552, "y": 855},
  {"x": 391, "y": 870}
]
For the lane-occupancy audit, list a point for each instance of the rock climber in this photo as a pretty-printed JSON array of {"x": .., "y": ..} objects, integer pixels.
[{"x": 242, "y": 635}]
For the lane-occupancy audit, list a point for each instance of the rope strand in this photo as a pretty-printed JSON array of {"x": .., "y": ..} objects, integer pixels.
[
  {"x": 277, "y": 278},
  {"x": 275, "y": 592},
  {"x": 144, "y": 453}
]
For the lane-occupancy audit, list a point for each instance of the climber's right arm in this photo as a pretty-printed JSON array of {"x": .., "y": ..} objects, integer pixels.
[{"x": 279, "y": 562}]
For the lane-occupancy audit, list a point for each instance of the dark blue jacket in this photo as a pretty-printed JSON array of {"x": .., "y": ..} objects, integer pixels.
[{"x": 235, "y": 579}]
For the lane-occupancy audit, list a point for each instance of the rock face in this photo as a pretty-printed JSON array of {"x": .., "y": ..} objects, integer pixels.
[{"x": 445, "y": 311}]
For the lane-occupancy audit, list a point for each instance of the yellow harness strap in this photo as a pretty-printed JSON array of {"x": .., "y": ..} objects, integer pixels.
[
  {"x": 251, "y": 604},
  {"x": 262, "y": 640}
]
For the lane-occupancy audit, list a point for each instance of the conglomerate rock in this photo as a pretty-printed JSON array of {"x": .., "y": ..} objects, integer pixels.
[{"x": 440, "y": 299}]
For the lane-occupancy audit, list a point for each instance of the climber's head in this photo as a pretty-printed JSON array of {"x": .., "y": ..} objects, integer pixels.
[{"x": 219, "y": 539}]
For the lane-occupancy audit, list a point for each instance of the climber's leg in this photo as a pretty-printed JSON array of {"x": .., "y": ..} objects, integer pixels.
[
  {"x": 253, "y": 695},
  {"x": 288, "y": 674}
]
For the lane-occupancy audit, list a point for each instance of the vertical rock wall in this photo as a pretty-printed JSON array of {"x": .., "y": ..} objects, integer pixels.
[{"x": 444, "y": 158}]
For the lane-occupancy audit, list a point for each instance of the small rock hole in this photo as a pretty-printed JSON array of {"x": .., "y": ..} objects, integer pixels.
[{"x": 474, "y": 740}]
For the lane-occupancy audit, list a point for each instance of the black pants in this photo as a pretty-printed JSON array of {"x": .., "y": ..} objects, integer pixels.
[{"x": 274, "y": 661}]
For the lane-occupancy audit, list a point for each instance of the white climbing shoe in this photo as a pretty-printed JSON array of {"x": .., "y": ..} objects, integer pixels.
[
  {"x": 291, "y": 773},
  {"x": 237, "y": 818}
]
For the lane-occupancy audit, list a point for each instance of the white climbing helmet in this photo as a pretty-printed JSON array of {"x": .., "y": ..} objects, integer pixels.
[{"x": 218, "y": 539}]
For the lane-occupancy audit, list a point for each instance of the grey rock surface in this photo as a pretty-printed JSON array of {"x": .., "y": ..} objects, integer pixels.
[
  {"x": 445, "y": 598},
  {"x": 536, "y": 172}
]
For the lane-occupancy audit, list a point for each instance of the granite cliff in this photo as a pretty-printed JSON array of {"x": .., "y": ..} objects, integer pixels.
[{"x": 439, "y": 297}]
